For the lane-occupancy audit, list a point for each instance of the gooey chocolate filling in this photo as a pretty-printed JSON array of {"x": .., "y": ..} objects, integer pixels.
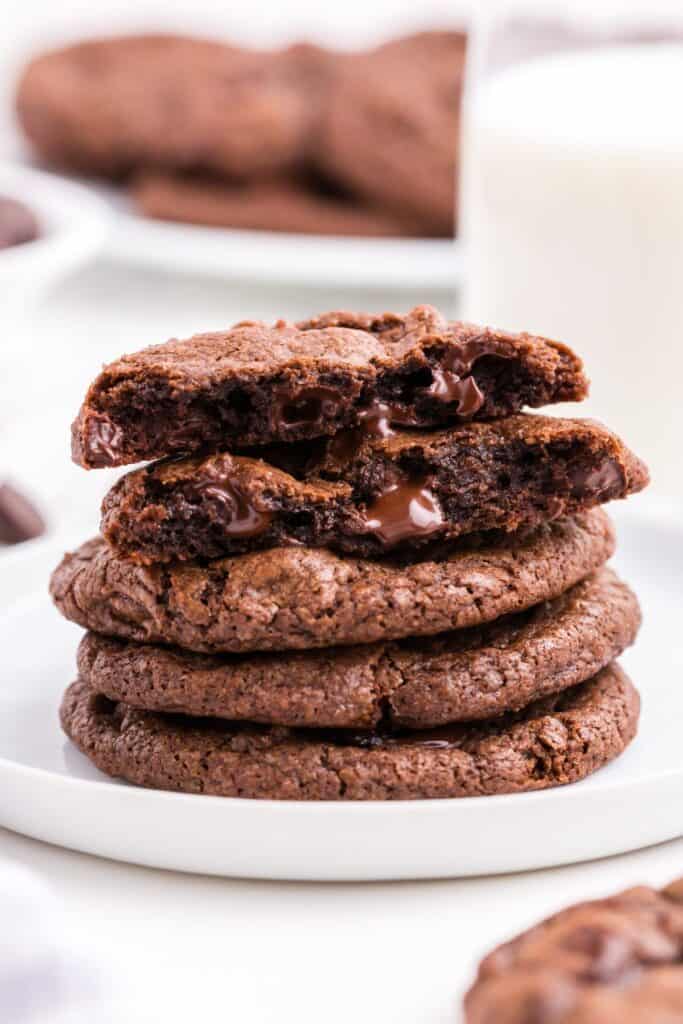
[
  {"x": 239, "y": 516},
  {"x": 450, "y": 384},
  {"x": 405, "y": 510}
]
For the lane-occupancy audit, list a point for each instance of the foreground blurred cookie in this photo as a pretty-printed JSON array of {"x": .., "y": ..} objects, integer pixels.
[
  {"x": 552, "y": 742},
  {"x": 408, "y": 489},
  {"x": 113, "y": 105},
  {"x": 254, "y": 383},
  {"x": 264, "y": 206},
  {"x": 392, "y": 126},
  {"x": 297, "y": 597},
  {"x": 465, "y": 675},
  {"x": 611, "y": 961}
]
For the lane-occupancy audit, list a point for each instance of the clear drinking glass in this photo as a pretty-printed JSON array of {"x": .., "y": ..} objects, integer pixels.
[{"x": 572, "y": 201}]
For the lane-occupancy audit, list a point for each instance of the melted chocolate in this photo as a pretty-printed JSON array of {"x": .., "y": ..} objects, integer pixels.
[
  {"x": 451, "y": 381},
  {"x": 448, "y": 387},
  {"x": 104, "y": 442},
  {"x": 242, "y": 519},
  {"x": 442, "y": 738},
  {"x": 596, "y": 481},
  {"x": 404, "y": 511},
  {"x": 293, "y": 407}
]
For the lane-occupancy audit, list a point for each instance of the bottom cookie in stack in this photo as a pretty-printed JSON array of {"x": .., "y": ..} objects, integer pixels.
[
  {"x": 552, "y": 742},
  {"x": 528, "y": 701}
]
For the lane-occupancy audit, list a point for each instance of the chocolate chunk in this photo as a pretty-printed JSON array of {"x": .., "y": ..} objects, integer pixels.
[
  {"x": 256, "y": 384},
  {"x": 19, "y": 519},
  {"x": 17, "y": 224}
]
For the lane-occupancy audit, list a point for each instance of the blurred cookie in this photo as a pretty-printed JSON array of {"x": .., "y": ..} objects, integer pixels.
[
  {"x": 392, "y": 125},
  {"x": 20, "y": 520},
  {"x": 615, "y": 959},
  {"x": 114, "y": 105},
  {"x": 262, "y": 206},
  {"x": 553, "y": 742},
  {"x": 298, "y": 598}
]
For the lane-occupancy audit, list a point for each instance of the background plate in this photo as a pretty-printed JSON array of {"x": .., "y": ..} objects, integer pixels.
[
  {"x": 51, "y": 792},
  {"x": 280, "y": 258}
]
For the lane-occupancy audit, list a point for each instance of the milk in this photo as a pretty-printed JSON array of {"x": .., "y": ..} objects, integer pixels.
[{"x": 572, "y": 210}]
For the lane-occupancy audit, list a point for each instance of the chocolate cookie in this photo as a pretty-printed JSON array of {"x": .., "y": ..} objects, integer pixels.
[
  {"x": 17, "y": 224},
  {"x": 114, "y": 105},
  {"x": 615, "y": 959},
  {"x": 471, "y": 674},
  {"x": 367, "y": 494},
  {"x": 297, "y": 598},
  {"x": 555, "y": 741},
  {"x": 254, "y": 384},
  {"x": 392, "y": 124},
  {"x": 264, "y": 206}
]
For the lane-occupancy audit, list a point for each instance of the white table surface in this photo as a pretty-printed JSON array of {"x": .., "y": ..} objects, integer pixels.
[{"x": 178, "y": 947}]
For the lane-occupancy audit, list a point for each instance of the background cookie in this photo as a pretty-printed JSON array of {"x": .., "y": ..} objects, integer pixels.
[
  {"x": 114, "y": 105},
  {"x": 470, "y": 674},
  {"x": 296, "y": 598},
  {"x": 392, "y": 126},
  {"x": 553, "y": 742},
  {"x": 277, "y": 205},
  {"x": 615, "y": 959}
]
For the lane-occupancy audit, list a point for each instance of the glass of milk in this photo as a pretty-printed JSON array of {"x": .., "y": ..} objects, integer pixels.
[{"x": 572, "y": 205}]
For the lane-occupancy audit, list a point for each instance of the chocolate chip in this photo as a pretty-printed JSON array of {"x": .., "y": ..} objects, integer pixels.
[{"x": 19, "y": 520}]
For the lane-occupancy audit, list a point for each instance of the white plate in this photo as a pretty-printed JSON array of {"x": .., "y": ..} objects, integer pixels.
[
  {"x": 73, "y": 222},
  {"x": 51, "y": 792},
  {"x": 280, "y": 258}
]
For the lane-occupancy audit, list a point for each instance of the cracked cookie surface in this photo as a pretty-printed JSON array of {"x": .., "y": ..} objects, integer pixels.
[
  {"x": 470, "y": 674},
  {"x": 298, "y": 598},
  {"x": 552, "y": 742}
]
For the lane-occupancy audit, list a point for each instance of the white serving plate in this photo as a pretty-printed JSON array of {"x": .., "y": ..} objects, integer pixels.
[
  {"x": 51, "y": 792},
  {"x": 74, "y": 224},
  {"x": 278, "y": 257}
]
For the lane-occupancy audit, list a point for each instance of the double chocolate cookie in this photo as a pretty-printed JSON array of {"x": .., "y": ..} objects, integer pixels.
[
  {"x": 466, "y": 675},
  {"x": 392, "y": 124},
  {"x": 615, "y": 959},
  {"x": 553, "y": 742},
  {"x": 278, "y": 205},
  {"x": 255, "y": 384},
  {"x": 112, "y": 106},
  {"x": 365, "y": 493},
  {"x": 296, "y": 597}
]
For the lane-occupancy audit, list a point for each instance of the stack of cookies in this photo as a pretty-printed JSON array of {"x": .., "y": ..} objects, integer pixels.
[{"x": 358, "y": 571}]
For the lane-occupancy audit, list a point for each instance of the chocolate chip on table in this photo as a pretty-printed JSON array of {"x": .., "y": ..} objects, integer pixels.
[
  {"x": 17, "y": 223},
  {"x": 19, "y": 519}
]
